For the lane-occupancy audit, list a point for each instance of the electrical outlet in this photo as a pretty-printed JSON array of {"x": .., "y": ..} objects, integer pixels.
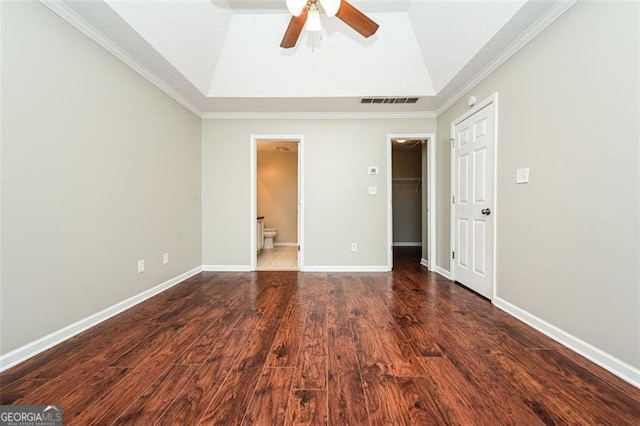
[
  {"x": 165, "y": 259},
  {"x": 373, "y": 190},
  {"x": 140, "y": 266},
  {"x": 354, "y": 247}
]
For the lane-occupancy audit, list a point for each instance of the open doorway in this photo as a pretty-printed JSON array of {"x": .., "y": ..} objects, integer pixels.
[
  {"x": 411, "y": 197},
  {"x": 276, "y": 200}
]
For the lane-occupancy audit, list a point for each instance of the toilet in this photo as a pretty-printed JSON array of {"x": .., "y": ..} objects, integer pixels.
[{"x": 269, "y": 235}]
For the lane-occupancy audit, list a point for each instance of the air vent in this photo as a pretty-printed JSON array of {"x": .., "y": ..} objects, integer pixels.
[{"x": 389, "y": 100}]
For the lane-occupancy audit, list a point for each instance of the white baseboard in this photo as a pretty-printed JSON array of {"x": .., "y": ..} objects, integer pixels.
[
  {"x": 620, "y": 368},
  {"x": 425, "y": 263},
  {"x": 444, "y": 272},
  {"x": 29, "y": 350},
  {"x": 285, "y": 244},
  {"x": 407, "y": 244},
  {"x": 346, "y": 268},
  {"x": 226, "y": 268}
]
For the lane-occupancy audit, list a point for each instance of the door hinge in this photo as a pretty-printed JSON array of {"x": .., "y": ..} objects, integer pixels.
[
  {"x": 298, "y": 248},
  {"x": 453, "y": 142},
  {"x": 453, "y": 199},
  {"x": 453, "y": 254}
]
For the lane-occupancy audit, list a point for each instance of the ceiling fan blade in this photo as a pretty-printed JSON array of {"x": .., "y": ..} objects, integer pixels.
[
  {"x": 356, "y": 19},
  {"x": 294, "y": 29}
]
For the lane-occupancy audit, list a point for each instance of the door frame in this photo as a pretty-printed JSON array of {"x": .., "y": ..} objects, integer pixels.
[
  {"x": 428, "y": 193},
  {"x": 493, "y": 99},
  {"x": 253, "y": 193}
]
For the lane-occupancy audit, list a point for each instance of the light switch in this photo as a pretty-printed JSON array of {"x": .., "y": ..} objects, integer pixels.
[
  {"x": 373, "y": 170},
  {"x": 373, "y": 190},
  {"x": 522, "y": 175}
]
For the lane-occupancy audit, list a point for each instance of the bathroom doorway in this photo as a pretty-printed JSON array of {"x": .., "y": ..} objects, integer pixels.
[
  {"x": 277, "y": 203},
  {"x": 411, "y": 197}
]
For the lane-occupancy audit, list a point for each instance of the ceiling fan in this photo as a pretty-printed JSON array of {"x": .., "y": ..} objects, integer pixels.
[{"x": 306, "y": 12}]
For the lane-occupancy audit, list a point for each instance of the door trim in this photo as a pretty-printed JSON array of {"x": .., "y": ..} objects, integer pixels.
[
  {"x": 428, "y": 193},
  {"x": 253, "y": 193},
  {"x": 493, "y": 99}
]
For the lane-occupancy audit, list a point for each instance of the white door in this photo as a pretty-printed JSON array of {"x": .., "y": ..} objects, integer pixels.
[{"x": 473, "y": 148}]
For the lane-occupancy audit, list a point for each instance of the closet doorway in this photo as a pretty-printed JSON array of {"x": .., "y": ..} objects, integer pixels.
[{"x": 410, "y": 202}]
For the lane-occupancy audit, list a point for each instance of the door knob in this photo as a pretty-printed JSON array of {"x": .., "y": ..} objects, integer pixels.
[{"x": 486, "y": 212}]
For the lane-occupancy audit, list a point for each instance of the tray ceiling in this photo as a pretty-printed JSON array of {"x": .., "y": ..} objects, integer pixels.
[{"x": 224, "y": 56}]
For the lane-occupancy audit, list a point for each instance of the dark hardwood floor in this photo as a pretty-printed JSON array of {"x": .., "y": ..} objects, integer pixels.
[{"x": 271, "y": 348}]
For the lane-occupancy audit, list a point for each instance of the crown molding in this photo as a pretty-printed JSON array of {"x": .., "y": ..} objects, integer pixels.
[
  {"x": 377, "y": 115},
  {"x": 62, "y": 10},
  {"x": 554, "y": 12}
]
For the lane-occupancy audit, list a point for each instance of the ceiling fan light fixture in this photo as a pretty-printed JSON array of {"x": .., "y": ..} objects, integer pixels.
[
  {"x": 308, "y": 17},
  {"x": 313, "y": 19},
  {"x": 296, "y": 6},
  {"x": 331, "y": 7}
]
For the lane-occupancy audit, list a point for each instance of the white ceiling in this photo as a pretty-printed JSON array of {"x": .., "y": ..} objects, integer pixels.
[{"x": 223, "y": 55}]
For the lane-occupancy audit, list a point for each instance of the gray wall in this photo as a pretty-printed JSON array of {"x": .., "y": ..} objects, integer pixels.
[
  {"x": 567, "y": 242},
  {"x": 99, "y": 169},
  {"x": 338, "y": 210}
]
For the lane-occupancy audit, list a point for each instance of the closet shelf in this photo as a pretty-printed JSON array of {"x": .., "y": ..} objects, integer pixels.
[{"x": 400, "y": 180}]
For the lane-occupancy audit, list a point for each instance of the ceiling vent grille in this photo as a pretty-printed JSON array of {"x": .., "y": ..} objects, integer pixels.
[{"x": 389, "y": 100}]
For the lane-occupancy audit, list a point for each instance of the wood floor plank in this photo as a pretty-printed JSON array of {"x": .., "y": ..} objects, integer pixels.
[
  {"x": 473, "y": 363},
  {"x": 405, "y": 347},
  {"x": 597, "y": 401},
  {"x": 19, "y": 389},
  {"x": 36, "y": 367},
  {"x": 158, "y": 396},
  {"x": 270, "y": 398},
  {"x": 340, "y": 309},
  {"x": 312, "y": 362},
  {"x": 385, "y": 400},
  {"x": 140, "y": 353},
  {"x": 311, "y": 287},
  {"x": 109, "y": 340},
  {"x": 307, "y": 407},
  {"x": 460, "y": 402},
  {"x": 420, "y": 406},
  {"x": 549, "y": 408},
  {"x": 121, "y": 332},
  {"x": 416, "y": 322},
  {"x": 346, "y": 400},
  {"x": 272, "y": 300},
  {"x": 80, "y": 399},
  {"x": 130, "y": 388},
  {"x": 192, "y": 401},
  {"x": 382, "y": 345},
  {"x": 231, "y": 401},
  {"x": 284, "y": 352}
]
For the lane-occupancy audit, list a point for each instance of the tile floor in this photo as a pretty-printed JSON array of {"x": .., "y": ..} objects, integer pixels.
[{"x": 278, "y": 259}]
